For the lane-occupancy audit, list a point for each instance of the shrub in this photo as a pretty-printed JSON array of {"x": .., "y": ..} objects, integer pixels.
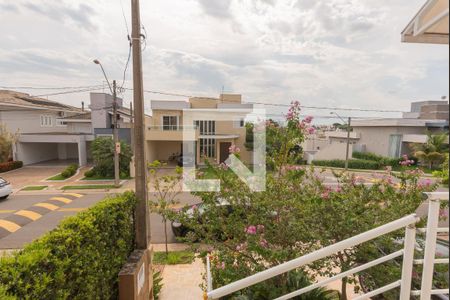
[
  {"x": 10, "y": 165},
  {"x": 4, "y": 295},
  {"x": 157, "y": 284},
  {"x": 89, "y": 173},
  {"x": 384, "y": 161},
  {"x": 444, "y": 173},
  {"x": 80, "y": 259},
  {"x": 103, "y": 155},
  {"x": 352, "y": 164},
  {"x": 69, "y": 171}
]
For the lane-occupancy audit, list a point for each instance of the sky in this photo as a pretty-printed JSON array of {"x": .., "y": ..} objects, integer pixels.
[{"x": 331, "y": 53}]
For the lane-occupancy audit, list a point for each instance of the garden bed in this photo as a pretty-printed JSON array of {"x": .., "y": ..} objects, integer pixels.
[{"x": 90, "y": 187}]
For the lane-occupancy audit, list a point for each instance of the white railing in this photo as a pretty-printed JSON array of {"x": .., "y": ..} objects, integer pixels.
[
  {"x": 172, "y": 127},
  {"x": 407, "y": 252}
]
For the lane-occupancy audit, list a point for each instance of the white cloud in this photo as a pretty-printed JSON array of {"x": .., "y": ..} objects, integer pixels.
[{"x": 327, "y": 52}]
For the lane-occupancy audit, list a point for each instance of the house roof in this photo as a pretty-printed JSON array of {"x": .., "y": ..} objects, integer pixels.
[
  {"x": 399, "y": 122},
  {"x": 429, "y": 25},
  {"x": 22, "y": 100}
]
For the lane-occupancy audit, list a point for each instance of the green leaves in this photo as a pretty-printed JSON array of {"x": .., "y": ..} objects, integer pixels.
[
  {"x": 102, "y": 149},
  {"x": 80, "y": 259}
]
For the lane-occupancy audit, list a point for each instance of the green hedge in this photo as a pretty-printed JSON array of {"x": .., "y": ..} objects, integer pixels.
[
  {"x": 70, "y": 171},
  {"x": 352, "y": 164},
  {"x": 10, "y": 165},
  {"x": 384, "y": 161},
  {"x": 80, "y": 259}
]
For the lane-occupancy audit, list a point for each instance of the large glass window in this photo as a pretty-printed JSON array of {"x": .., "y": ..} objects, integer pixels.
[
  {"x": 170, "y": 122},
  {"x": 208, "y": 147},
  {"x": 206, "y": 127},
  {"x": 395, "y": 145}
]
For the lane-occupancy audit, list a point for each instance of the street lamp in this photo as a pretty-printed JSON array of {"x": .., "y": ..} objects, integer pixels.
[
  {"x": 348, "y": 137},
  {"x": 115, "y": 127}
]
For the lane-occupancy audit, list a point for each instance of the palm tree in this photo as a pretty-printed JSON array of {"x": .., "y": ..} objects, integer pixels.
[{"x": 433, "y": 151}]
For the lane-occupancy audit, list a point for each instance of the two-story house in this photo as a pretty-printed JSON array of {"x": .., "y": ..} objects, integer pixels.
[
  {"x": 211, "y": 137},
  {"x": 49, "y": 130}
]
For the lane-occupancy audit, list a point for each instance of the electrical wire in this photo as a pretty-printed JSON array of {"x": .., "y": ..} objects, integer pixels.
[
  {"x": 130, "y": 44},
  {"x": 49, "y": 88},
  {"x": 69, "y": 92}
]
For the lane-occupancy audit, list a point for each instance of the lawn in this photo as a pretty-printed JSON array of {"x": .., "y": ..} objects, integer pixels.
[
  {"x": 58, "y": 177},
  {"x": 97, "y": 177},
  {"x": 174, "y": 258},
  {"x": 34, "y": 188},
  {"x": 90, "y": 187}
]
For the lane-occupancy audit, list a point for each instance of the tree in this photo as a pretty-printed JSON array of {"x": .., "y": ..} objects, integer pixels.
[
  {"x": 167, "y": 188},
  {"x": 296, "y": 214},
  {"x": 7, "y": 140},
  {"x": 432, "y": 151},
  {"x": 102, "y": 149}
]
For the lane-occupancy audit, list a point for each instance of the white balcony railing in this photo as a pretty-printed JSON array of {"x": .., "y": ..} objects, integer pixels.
[
  {"x": 171, "y": 128},
  {"x": 407, "y": 252}
]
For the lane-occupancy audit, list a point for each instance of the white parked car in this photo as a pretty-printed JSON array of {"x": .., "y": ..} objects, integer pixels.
[{"x": 5, "y": 189}]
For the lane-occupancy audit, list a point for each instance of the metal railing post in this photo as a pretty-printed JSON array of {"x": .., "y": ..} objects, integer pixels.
[
  {"x": 408, "y": 262},
  {"x": 430, "y": 249}
]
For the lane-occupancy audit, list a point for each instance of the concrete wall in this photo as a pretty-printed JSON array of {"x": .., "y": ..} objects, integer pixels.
[
  {"x": 100, "y": 103},
  {"x": 79, "y": 128},
  {"x": 376, "y": 139},
  {"x": 333, "y": 151},
  {"x": 29, "y": 121}
]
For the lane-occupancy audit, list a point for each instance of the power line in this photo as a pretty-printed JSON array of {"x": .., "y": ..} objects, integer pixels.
[
  {"x": 328, "y": 108},
  {"x": 70, "y": 92},
  {"x": 129, "y": 47},
  {"x": 49, "y": 88}
]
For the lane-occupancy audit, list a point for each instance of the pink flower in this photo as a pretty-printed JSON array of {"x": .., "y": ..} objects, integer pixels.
[
  {"x": 234, "y": 149},
  {"x": 301, "y": 125},
  {"x": 290, "y": 115},
  {"x": 251, "y": 230},
  {"x": 295, "y": 104},
  {"x": 443, "y": 214},
  {"x": 311, "y": 130},
  {"x": 221, "y": 266},
  {"x": 325, "y": 195},
  {"x": 308, "y": 119},
  {"x": 223, "y": 166},
  {"x": 338, "y": 189},
  {"x": 263, "y": 243},
  {"x": 405, "y": 157}
]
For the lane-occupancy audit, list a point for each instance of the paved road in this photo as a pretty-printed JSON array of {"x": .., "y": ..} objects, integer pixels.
[{"x": 23, "y": 218}]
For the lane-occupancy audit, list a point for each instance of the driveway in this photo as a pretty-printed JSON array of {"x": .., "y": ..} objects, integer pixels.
[{"x": 30, "y": 175}]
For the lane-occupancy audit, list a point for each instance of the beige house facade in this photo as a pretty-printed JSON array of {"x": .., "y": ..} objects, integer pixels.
[{"x": 196, "y": 122}]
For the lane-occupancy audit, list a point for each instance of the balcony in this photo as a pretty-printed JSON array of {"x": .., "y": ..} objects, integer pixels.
[{"x": 171, "y": 133}]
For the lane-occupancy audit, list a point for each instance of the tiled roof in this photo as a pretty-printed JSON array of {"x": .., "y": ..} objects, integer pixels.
[{"x": 21, "y": 99}]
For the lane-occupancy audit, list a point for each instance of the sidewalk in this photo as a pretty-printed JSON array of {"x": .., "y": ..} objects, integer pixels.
[{"x": 182, "y": 281}]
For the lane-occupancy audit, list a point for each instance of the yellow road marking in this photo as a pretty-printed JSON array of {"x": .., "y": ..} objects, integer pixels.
[
  {"x": 47, "y": 205},
  {"x": 29, "y": 214},
  {"x": 61, "y": 199},
  {"x": 72, "y": 209},
  {"x": 7, "y": 211},
  {"x": 10, "y": 226},
  {"x": 74, "y": 194}
]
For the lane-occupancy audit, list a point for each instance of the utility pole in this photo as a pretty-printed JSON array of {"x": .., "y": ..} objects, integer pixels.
[
  {"x": 142, "y": 221},
  {"x": 116, "y": 138},
  {"x": 348, "y": 143},
  {"x": 132, "y": 127}
]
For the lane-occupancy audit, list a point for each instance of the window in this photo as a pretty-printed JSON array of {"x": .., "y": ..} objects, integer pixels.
[
  {"x": 60, "y": 123},
  {"x": 206, "y": 127},
  {"x": 46, "y": 121},
  {"x": 395, "y": 145},
  {"x": 208, "y": 147},
  {"x": 170, "y": 122}
]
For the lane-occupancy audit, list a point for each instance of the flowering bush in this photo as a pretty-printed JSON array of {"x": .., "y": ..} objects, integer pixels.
[{"x": 297, "y": 214}]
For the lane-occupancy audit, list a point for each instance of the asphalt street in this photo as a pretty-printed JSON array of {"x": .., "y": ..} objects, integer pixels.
[{"x": 23, "y": 218}]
